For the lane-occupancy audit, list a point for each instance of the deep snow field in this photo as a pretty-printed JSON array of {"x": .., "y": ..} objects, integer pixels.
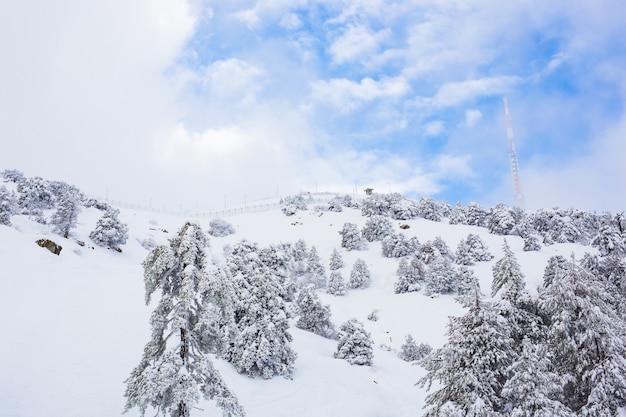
[{"x": 74, "y": 326}]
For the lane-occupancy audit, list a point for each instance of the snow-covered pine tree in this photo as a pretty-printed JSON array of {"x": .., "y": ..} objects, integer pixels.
[
  {"x": 475, "y": 214},
  {"x": 533, "y": 388},
  {"x": 35, "y": 195},
  {"x": 410, "y": 275},
  {"x": 531, "y": 243},
  {"x": 279, "y": 260},
  {"x": 376, "y": 228},
  {"x": 220, "y": 228},
  {"x": 68, "y": 206},
  {"x": 556, "y": 265},
  {"x": 375, "y": 205},
  {"x": 336, "y": 261},
  {"x": 471, "y": 367},
  {"x": 410, "y": 351},
  {"x": 609, "y": 241},
  {"x": 351, "y": 238},
  {"x": 336, "y": 284},
  {"x": 315, "y": 272},
  {"x": 314, "y": 317},
  {"x": 264, "y": 346},
  {"x": 429, "y": 209},
  {"x": 403, "y": 210},
  {"x": 514, "y": 303},
  {"x": 355, "y": 343},
  {"x": 586, "y": 340},
  {"x": 110, "y": 231},
  {"x": 441, "y": 277},
  {"x": 457, "y": 214},
  {"x": 397, "y": 246},
  {"x": 501, "y": 220},
  {"x": 472, "y": 249},
  {"x": 466, "y": 281},
  {"x": 175, "y": 371},
  {"x": 360, "y": 276},
  {"x": 8, "y": 205}
]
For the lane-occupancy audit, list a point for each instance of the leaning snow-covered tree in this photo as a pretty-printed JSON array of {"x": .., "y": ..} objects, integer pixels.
[
  {"x": 68, "y": 206},
  {"x": 175, "y": 371},
  {"x": 355, "y": 343},
  {"x": 314, "y": 317},
  {"x": 110, "y": 231}
]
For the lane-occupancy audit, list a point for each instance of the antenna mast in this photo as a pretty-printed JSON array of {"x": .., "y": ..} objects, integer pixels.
[{"x": 518, "y": 196}]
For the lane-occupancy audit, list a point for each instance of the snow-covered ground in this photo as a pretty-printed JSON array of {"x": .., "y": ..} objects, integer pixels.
[{"x": 74, "y": 326}]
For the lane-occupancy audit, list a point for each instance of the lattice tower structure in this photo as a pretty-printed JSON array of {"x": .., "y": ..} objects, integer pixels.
[{"x": 518, "y": 196}]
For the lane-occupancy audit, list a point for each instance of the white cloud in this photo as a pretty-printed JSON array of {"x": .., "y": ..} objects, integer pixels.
[
  {"x": 434, "y": 128},
  {"x": 455, "y": 93},
  {"x": 290, "y": 21},
  {"x": 472, "y": 117},
  {"x": 355, "y": 42},
  {"x": 233, "y": 80},
  {"x": 347, "y": 95}
]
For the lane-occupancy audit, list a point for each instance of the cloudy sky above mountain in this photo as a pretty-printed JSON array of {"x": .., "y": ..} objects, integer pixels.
[{"x": 202, "y": 104}]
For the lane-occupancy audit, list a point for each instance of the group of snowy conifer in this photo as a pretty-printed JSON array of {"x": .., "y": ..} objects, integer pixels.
[
  {"x": 560, "y": 354},
  {"x": 58, "y": 204}
]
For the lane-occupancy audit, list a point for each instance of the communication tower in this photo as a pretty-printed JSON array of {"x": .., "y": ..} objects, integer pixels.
[{"x": 518, "y": 196}]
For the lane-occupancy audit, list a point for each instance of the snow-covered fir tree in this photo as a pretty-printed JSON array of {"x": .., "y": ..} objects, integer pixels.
[
  {"x": 8, "y": 205},
  {"x": 35, "y": 195},
  {"x": 336, "y": 261},
  {"x": 377, "y": 205},
  {"x": 429, "y": 209},
  {"x": 472, "y": 249},
  {"x": 609, "y": 241},
  {"x": 404, "y": 209},
  {"x": 336, "y": 284},
  {"x": 586, "y": 339},
  {"x": 410, "y": 275},
  {"x": 532, "y": 243},
  {"x": 457, "y": 214},
  {"x": 67, "y": 208},
  {"x": 175, "y": 371},
  {"x": 410, "y": 351},
  {"x": 507, "y": 276},
  {"x": 355, "y": 343},
  {"x": 279, "y": 260},
  {"x": 533, "y": 388},
  {"x": 475, "y": 214},
  {"x": 335, "y": 205},
  {"x": 315, "y": 272},
  {"x": 110, "y": 231},
  {"x": 351, "y": 238},
  {"x": 313, "y": 316},
  {"x": 557, "y": 264},
  {"x": 466, "y": 281},
  {"x": 360, "y": 276},
  {"x": 397, "y": 246},
  {"x": 292, "y": 203},
  {"x": 471, "y": 368},
  {"x": 441, "y": 277},
  {"x": 264, "y": 346},
  {"x": 502, "y": 220},
  {"x": 376, "y": 228},
  {"x": 220, "y": 228}
]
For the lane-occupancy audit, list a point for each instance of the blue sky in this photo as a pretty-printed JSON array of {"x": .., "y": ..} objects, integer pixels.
[{"x": 201, "y": 104}]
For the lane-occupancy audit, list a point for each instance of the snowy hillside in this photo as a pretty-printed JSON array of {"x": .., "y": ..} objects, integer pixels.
[{"x": 75, "y": 325}]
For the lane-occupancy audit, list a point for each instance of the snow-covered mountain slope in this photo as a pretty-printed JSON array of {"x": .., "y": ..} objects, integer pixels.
[{"x": 75, "y": 325}]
